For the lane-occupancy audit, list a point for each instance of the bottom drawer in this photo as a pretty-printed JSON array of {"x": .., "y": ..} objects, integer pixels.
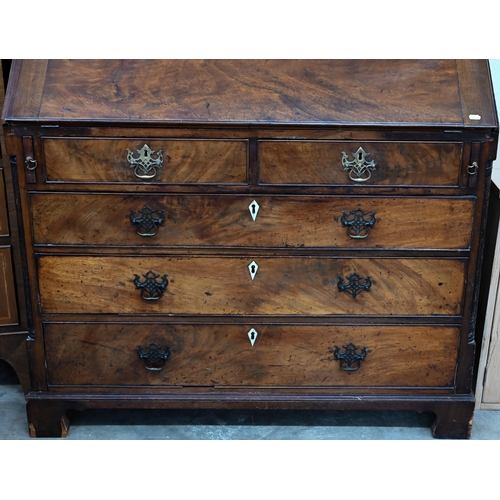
[{"x": 223, "y": 355}]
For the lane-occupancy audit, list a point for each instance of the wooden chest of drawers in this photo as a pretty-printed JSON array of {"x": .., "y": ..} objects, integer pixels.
[{"x": 252, "y": 234}]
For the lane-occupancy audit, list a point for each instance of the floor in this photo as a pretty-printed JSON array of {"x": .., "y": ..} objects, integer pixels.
[{"x": 231, "y": 425}]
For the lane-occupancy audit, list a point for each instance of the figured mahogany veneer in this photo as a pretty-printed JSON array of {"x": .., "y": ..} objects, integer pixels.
[
  {"x": 184, "y": 161},
  {"x": 282, "y": 286},
  {"x": 226, "y": 221},
  {"x": 312, "y": 239},
  {"x": 283, "y": 355},
  {"x": 396, "y": 163}
]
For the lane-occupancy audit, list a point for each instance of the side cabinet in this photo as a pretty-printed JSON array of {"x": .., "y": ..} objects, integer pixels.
[
  {"x": 13, "y": 330},
  {"x": 488, "y": 382}
]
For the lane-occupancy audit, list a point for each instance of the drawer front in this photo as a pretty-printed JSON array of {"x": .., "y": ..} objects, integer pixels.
[
  {"x": 385, "y": 163},
  {"x": 222, "y": 355},
  {"x": 215, "y": 220},
  {"x": 224, "y": 286},
  {"x": 8, "y": 303},
  {"x": 182, "y": 161}
]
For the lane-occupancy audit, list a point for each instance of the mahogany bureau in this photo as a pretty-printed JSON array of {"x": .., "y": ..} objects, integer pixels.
[{"x": 252, "y": 234}]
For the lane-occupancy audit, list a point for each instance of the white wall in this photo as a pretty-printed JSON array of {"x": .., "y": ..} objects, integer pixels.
[{"x": 495, "y": 75}]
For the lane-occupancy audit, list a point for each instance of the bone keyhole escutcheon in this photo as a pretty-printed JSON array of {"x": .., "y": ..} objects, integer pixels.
[
  {"x": 254, "y": 209},
  {"x": 252, "y": 335},
  {"x": 253, "y": 268}
]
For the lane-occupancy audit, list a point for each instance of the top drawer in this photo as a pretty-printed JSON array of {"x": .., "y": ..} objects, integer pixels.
[
  {"x": 172, "y": 161},
  {"x": 358, "y": 163}
]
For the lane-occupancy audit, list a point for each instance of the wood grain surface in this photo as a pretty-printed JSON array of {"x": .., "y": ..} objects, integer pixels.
[
  {"x": 185, "y": 161},
  {"x": 225, "y": 221},
  {"x": 282, "y": 286},
  {"x": 8, "y": 306},
  {"x": 245, "y": 91},
  {"x": 397, "y": 163},
  {"x": 282, "y": 355},
  {"x": 4, "y": 218}
]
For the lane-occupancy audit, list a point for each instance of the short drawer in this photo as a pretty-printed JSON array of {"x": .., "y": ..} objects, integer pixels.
[
  {"x": 259, "y": 286},
  {"x": 246, "y": 221},
  {"x": 223, "y": 355},
  {"x": 363, "y": 163},
  {"x": 172, "y": 161}
]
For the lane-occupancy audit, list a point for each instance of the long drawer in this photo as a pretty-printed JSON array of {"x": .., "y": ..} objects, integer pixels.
[
  {"x": 167, "y": 161},
  {"x": 370, "y": 163},
  {"x": 223, "y": 355},
  {"x": 242, "y": 286},
  {"x": 246, "y": 221}
]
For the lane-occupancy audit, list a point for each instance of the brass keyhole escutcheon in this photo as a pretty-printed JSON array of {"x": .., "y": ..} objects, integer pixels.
[
  {"x": 145, "y": 165},
  {"x": 360, "y": 169}
]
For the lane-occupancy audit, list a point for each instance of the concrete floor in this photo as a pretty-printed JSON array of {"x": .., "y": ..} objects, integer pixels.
[{"x": 232, "y": 425}]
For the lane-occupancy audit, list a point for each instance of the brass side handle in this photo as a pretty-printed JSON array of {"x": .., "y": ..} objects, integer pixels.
[
  {"x": 360, "y": 170},
  {"x": 154, "y": 356},
  {"x": 472, "y": 169},
  {"x": 145, "y": 165},
  {"x": 30, "y": 163}
]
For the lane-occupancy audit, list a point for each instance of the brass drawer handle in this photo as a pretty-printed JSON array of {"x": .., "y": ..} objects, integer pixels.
[
  {"x": 145, "y": 165},
  {"x": 472, "y": 169},
  {"x": 154, "y": 356},
  {"x": 30, "y": 163},
  {"x": 357, "y": 223},
  {"x": 147, "y": 223},
  {"x": 151, "y": 288},
  {"x": 356, "y": 284},
  {"x": 359, "y": 168},
  {"x": 350, "y": 360}
]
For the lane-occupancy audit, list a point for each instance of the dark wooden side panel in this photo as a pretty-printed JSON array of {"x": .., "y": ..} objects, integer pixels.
[
  {"x": 282, "y": 286},
  {"x": 396, "y": 163},
  {"x": 282, "y": 355},
  {"x": 281, "y": 221},
  {"x": 8, "y": 304},
  {"x": 184, "y": 161},
  {"x": 13, "y": 350},
  {"x": 4, "y": 219}
]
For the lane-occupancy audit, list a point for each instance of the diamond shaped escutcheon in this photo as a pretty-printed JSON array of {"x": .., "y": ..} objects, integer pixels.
[
  {"x": 253, "y": 268},
  {"x": 252, "y": 335},
  {"x": 253, "y": 209}
]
